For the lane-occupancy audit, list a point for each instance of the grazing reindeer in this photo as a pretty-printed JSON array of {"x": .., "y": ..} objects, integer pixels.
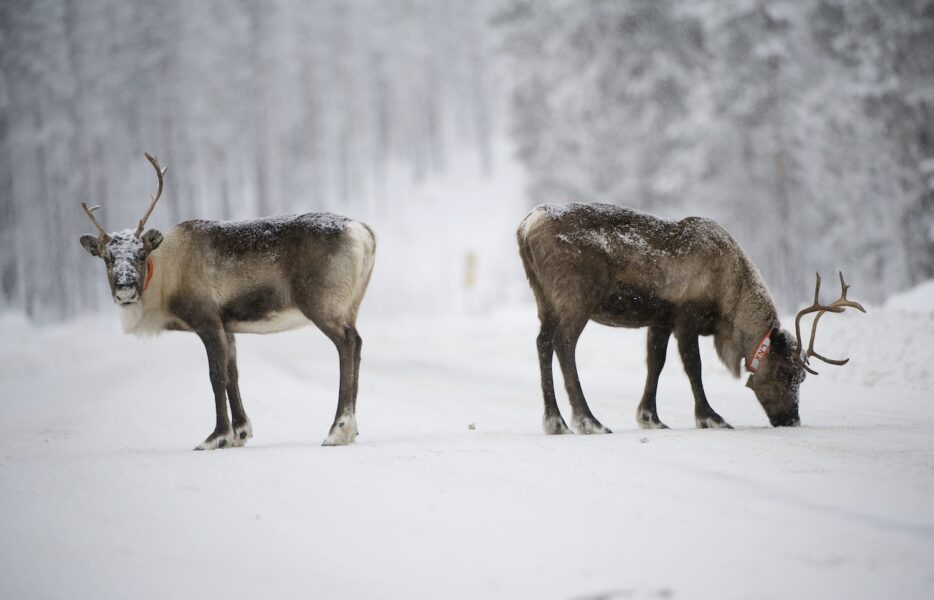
[
  {"x": 623, "y": 268},
  {"x": 217, "y": 279}
]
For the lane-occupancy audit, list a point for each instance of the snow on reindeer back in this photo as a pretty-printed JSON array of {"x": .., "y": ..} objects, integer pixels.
[
  {"x": 265, "y": 233},
  {"x": 611, "y": 228}
]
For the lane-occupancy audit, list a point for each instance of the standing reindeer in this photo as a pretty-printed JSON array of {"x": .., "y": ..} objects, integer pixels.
[
  {"x": 217, "y": 279},
  {"x": 623, "y": 268}
]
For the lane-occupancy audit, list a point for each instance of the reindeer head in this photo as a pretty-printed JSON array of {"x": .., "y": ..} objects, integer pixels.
[
  {"x": 777, "y": 380},
  {"x": 125, "y": 253},
  {"x": 783, "y": 368}
]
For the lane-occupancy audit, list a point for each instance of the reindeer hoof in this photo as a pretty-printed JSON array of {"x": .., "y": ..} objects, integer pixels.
[
  {"x": 713, "y": 421},
  {"x": 242, "y": 433},
  {"x": 648, "y": 419},
  {"x": 650, "y": 423},
  {"x": 554, "y": 425},
  {"x": 588, "y": 425},
  {"x": 217, "y": 440},
  {"x": 343, "y": 431}
]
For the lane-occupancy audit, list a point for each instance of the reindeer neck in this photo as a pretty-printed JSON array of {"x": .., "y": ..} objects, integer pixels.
[
  {"x": 748, "y": 314},
  {"x": 756, "y": 314}
]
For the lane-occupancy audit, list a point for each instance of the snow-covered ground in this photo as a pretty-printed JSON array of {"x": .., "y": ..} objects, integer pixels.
[{"x": 451, "y": 491}]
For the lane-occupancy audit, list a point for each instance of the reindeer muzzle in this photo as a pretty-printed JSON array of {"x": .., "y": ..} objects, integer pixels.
[{"x": 126, "y": 294}]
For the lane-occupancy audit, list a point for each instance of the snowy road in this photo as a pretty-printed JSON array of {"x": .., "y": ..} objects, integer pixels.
[{"x": 101, "y": 497}]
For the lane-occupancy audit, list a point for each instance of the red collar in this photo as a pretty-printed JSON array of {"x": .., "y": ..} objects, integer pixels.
[
  {"x": 752, "y": 364},
  {"x": 149, "y": 272}
]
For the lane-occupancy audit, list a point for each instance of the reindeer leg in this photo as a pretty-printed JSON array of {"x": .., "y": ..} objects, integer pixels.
[
  {"x": 215, "y": 343},
  {"x": 704, "y": 416},
  {"x": 356, "y": 372},
  {"x": 657, "y": 349},
  {"x": 344, "y": 429},
  {"x": 582, "y": 419},
  {"x": 242, "y": 428},
  {"x": 552, "y": 421}
]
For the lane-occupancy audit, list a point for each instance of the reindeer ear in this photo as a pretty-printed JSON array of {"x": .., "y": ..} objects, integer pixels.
[
  {"x": 90, "y": 243},
  {"x": 151, "y": 240}
]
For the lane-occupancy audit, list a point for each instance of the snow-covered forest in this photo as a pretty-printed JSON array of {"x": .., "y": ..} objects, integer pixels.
[
  {"x": 256, "y": 108},
  {"x": 806, "y": 128}
]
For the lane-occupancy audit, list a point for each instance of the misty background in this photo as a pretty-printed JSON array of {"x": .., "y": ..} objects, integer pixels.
[{"x": 805, "y": 127}]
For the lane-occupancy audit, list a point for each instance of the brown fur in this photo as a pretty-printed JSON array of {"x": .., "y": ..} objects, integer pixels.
[
  {"x": 624, "y": 268},
  {"x": 263, "y": 276}
]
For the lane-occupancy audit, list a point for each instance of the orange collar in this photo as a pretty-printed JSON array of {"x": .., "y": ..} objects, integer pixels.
[
  {"x": 752, "y": 365},
  {"x": 149, "y": 271}
]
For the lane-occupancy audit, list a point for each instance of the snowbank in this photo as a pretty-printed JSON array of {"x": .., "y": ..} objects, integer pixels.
[
  {"x": 889, "y": 347},
  {"x": 919, "y": 299}
]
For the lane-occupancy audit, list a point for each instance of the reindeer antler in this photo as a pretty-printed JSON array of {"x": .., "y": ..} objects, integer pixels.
[
  {"x": 105, "y": 237},
  {"x": 160, "y": 172},
  {"x": 837, "y": 306}
]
